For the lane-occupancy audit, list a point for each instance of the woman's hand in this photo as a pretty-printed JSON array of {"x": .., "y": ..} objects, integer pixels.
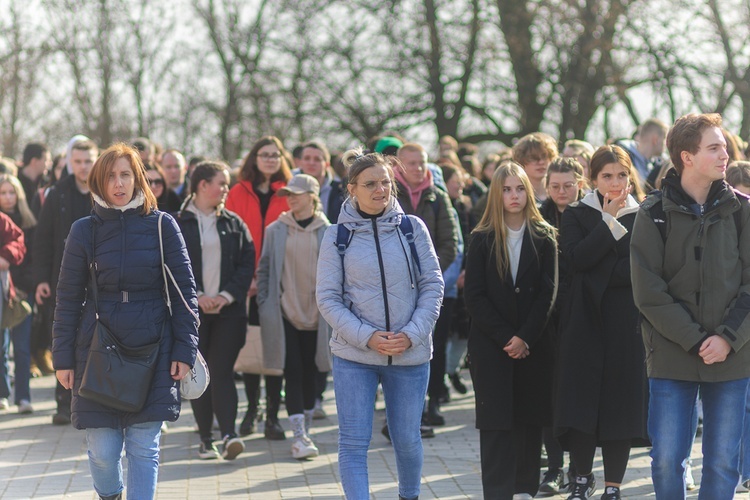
[
  {"x": 206, "y": 303},
  {"x": 65, "y": 377},
  {"x": 389, "y": 343},
  {"x": 516, "y": 348},
  {"x": 179, "y": 370},
  {"x": 614, "y": 205}
]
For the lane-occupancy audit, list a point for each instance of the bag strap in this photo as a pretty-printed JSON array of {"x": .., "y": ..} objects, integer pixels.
[{"x": 166, "y": 271}]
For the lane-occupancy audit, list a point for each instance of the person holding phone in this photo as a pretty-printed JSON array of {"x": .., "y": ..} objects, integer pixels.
[{"x": 601, "y": 395}]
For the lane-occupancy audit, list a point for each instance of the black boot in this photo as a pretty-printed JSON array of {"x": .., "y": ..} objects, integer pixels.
[
  {"x": 247, "y": 426},
  {"x": 112, "y": 497},
  {"x": 273, "y": 430},
  {"x": 434, "y": 417}
]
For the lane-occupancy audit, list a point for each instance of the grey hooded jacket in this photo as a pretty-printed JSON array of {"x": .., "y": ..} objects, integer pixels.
[{"x": 379, "y": 272}]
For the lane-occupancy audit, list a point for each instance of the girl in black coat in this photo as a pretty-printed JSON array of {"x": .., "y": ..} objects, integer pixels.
[
  {"x": 565, "y": 183},
  {"x": 601, "y": 377},
  {"x": 223, "y": 259},
  {"x": 510, "y": 288}
]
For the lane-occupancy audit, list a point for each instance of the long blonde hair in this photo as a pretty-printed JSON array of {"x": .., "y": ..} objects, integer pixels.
[
  {"x": 27, "y": 217},
  {"x": 493, "y": 219}
]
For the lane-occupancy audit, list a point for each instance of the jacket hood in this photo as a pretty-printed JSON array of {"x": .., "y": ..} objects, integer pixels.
[
  {"x": 351, "y": 218},
  {"x": 672, "y": 188},
  {"x": 319, "y": 221},
  {"x": 592, "y": 200}
]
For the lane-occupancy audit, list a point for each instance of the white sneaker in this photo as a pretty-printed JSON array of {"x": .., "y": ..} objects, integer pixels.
[
  {"x": 303, "y": 447},
  {"x": 522, "y": 496},
  {"x": 24, "y": 407},
  {"x": 4, "y": 405}
]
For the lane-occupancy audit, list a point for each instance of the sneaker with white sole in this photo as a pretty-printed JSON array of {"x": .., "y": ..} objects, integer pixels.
[
  {"x": 24, "y": 407},
  {"x": 208, "y": 451},
  {"x": 318, "y": 412},
  {"x": 303, "y": 447},
  {"x": 4, "y": 405},
  {"x": 232, "y": 447}
]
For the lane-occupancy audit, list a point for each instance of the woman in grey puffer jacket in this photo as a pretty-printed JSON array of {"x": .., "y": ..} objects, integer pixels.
[{"x": 381, "y": 294}]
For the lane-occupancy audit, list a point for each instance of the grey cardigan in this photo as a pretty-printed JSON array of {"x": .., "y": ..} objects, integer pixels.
[
  {"x": 353, "y": 302},
  {"x": 269, "y": 301}
]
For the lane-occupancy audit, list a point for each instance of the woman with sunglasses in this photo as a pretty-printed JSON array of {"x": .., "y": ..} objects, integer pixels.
[{"x": 167, "y": 200}]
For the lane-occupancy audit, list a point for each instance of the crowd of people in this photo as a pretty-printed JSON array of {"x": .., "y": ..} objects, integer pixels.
[{"x": 599, "y": 297}]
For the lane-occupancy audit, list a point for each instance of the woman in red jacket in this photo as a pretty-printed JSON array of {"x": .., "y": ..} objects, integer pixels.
[{"x": 264, "y": 171}]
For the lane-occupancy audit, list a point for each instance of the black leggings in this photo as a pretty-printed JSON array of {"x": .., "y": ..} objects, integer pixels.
[
  {"x": 615, "y": 455},
  {"x": 300, "y": 371},
  {"x": 220, "y": 340},
  {"x": 439, "y": 342}
]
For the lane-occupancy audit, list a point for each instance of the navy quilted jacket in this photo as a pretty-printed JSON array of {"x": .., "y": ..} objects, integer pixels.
[{"x": 127, "y": 259}]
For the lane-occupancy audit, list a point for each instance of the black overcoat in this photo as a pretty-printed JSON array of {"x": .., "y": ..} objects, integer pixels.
[
  {"x": 508, "y": 390},
  {"x": 601, "y": 379}
]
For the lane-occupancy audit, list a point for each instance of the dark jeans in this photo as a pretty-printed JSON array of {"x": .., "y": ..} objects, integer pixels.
[
  {"x": 300, "y": 371},
  {"x": 220, "y": 340},
  {"x": 439, "y": 341},
  {"x": 510, "y": 461}
]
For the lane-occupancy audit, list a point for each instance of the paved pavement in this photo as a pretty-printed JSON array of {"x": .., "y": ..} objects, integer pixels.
[{"x": 42, "y": 461}]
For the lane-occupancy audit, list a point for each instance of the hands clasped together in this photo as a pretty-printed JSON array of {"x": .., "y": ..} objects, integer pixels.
[{"x": 389, "y": 343}]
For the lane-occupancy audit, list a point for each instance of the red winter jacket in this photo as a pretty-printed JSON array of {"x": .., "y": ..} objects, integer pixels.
[
  {"x": 12, "y": 245},
  {"x": 243, "y": 201}
]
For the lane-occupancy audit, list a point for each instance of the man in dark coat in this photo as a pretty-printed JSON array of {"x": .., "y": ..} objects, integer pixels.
[{"x": 67, "y": 202}]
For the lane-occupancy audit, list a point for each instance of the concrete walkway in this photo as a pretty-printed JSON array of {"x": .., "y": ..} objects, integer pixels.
[{"x": 42, "y": 461}]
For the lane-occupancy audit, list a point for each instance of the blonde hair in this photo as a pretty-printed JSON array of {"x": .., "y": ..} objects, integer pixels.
[
  {"x": 493, "y": 219},
  {"x": 27, "y": 217}
]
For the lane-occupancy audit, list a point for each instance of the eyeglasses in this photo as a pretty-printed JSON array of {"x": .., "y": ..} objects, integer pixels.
[
  {"x": 373, "y": 185},
  {"x": 269, "y": 156},
  {"x": 156, "y": 182}
]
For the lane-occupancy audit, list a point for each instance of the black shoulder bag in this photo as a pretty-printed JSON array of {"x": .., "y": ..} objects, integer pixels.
[{"x": 116, "y": 376}]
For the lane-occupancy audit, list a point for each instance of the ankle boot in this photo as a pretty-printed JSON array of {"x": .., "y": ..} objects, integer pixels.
[
  {"x": 247, "y": 426},
  {"x": 434, "y": 417},
  {"x": 273, "y": 430},
  {"x": 112, "y": 497}
]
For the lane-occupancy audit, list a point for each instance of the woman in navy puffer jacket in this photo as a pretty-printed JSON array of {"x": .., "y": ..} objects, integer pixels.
[{"x": 131, "y": 303}]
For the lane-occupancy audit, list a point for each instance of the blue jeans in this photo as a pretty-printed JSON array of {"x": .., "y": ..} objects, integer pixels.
[
  {"x": 404, "y": 389},
  {"x": 671, "y": 427},
  {"x": 141, "y": 443},
  {"x": 21, "y": 338}
]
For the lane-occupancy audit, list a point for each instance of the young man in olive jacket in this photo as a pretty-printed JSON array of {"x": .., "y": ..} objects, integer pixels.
[{"x": 690, "y": 264}]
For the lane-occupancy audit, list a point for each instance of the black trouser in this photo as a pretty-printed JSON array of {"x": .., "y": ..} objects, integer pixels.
[
  {"x": 555, "y": 454},
  {"x": 615, "y": 455},
  {"x": 63, "y": 396},
  {"x": 220, "y": 340},
  {"x": 321, "y": 383},
  {"x": 510, "y": 461},
  {"x": 300, "y": 371},
  {"x": 439, "y": 340},
  {"x": 273, "y": 392}
]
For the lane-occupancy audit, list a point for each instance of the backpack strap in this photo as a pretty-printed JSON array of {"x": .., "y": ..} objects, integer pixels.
[
  {"x": 343, "y": 238},
  {"x": 653, "y": 204},
  {"x": 407, "y": 230}
]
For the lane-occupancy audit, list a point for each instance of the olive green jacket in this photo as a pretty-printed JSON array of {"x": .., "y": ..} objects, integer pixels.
[{"x": 694, "y": 285}]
